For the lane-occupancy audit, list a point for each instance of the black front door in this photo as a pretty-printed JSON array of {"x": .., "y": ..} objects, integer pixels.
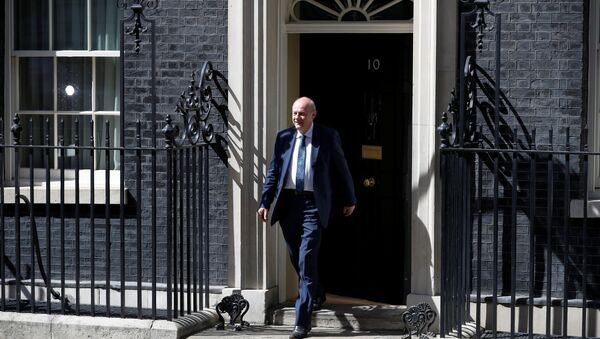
[{"x": 361, "y": 84}]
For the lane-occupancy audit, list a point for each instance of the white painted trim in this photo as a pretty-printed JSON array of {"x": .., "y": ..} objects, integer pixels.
[
  {"x": 504, "y": 311},
  {"x": 255, "y": 116},
  {"x": 237, "y": 72},
  {"x": 350, "y": 27},
  {"x": 424, "y": 149},
  {"x": 94, "y": 85},
  {"x": 593, "y": 95},
  {"x": 286, "y": 280},
  {"x": 85, "y": 190},
  {"x": 446, "y": 55},
  {"x": 50, "y": 25},
  {"x": 89, "y": 24},
  {"x": 12, "y": 75},
  {"x": 9, "y": 82},
  {"x": 576, "y": 208},
  {"x": 282, "y": 70},
  {"x": 69, "y": 53},
  {"x": 340, "y": 10}
]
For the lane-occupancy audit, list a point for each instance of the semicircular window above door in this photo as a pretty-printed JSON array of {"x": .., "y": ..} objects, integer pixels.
[{"x": 350, "y": 10}]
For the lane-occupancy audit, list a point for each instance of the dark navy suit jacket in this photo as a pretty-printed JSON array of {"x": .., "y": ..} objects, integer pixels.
[{"x": 328, "y": 162}]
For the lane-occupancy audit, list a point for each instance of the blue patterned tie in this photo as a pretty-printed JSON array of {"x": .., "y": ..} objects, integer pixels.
[{"x": 301, "y": 163}]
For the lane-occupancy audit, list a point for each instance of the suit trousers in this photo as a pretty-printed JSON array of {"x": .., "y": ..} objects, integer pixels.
[{"x": 302, "y": 228}]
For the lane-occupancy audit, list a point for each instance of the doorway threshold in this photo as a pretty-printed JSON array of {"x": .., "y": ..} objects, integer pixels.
[
  {"x": 346, "y": 313},
  {"x": 343, "y": 300}
]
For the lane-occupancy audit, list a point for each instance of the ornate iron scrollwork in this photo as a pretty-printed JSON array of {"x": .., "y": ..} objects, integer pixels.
[
  {"x": 194, "y": 106},
  {"x": 335, "y": 10},
  {"x": 418, "y": 319},
  {"x": 471, "y": 81},
  {"x": 236, "y": 306},
  {"x": 150, "y": 4},
  {"x": 459, "y": 123},
  {"x": 482, "y": 8},
  {"x": 137, "y": 16},
  {"x": 453, "y": 130},
  {"x": 447, "y": 128}
]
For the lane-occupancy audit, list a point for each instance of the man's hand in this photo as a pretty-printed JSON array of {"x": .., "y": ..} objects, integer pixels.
[
  {"x": 348, "y": 210},
  {"x": 263, "y": 212}
]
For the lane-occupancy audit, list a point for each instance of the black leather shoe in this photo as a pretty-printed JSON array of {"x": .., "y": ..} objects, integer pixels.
[{"x": 299, "y": 332}]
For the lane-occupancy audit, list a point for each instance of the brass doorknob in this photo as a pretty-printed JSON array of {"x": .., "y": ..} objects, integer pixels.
[{"x": 369, "y": 182}]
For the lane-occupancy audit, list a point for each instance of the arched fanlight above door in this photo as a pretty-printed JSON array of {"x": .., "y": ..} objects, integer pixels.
[{"x": 350, "y": 10}]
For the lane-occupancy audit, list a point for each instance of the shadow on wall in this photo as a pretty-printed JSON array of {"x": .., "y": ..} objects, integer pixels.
[
  {"x": 557, "y": 178},
  {"x": 421, "y": 249}
]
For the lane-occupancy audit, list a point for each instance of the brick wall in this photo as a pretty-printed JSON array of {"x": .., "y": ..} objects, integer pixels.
[
  {"x": 2, "y": 60},
  {"x": 188, "y": 33},
  {"x": 543, "y": 75},
  {"x": 542, "y": 67}
]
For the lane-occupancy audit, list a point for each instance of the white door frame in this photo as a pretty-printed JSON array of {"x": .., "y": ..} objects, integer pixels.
[
  {"x": 260, "y": 96},
  {"x": 286, "y": 275}
]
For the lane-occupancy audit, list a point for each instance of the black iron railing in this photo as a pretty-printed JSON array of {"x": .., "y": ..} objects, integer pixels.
[
  {"x": 517, "y": 234},
  {"x": 113, "y": 223},
  {"x": 84, "y": 236},
  {"x": 27, "y": 205},
  {"x": 520, "y": 239}
]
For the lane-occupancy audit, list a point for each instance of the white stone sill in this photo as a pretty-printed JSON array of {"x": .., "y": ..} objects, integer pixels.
[
  {"x": 576, "y": 208},
  {"x": 40, "y": 190}
]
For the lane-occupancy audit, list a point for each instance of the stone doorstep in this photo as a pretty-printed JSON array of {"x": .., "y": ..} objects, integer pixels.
[
  {"x": 352, "y": 317},
  {"x": 283, "y": 332},
  {"x": 43, "y": 326}
]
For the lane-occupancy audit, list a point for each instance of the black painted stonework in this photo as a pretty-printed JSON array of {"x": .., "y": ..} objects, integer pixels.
[
  {"x": 188, "y": 33},
  {"x": 542, "y": 63},
  {"x": 543, "y": 75},
  {"x": 2, "y": 60}
]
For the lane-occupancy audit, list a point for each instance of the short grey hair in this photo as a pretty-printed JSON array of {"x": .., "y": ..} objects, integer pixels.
[{"x": 311, "y": 103}]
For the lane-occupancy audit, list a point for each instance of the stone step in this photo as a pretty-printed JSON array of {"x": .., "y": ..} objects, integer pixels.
[
  {"x": 283, "y": 332},
  {"x": 349, "y": 317}
]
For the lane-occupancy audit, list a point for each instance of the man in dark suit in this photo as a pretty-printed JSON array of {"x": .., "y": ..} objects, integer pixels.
[{"x": 300, "y": 180}]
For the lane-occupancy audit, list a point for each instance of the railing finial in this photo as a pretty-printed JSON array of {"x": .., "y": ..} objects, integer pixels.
[
  {"x": 482, "y": 7},
  {"x": 444, "y": 131},
  {"x": 170, "y": 132},
  {"x": 137, "y": 7},
  {"x": 16, "y": 130}
]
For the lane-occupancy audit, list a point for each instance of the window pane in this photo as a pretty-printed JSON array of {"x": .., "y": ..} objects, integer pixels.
[
  {"x": 69, "y": 140},
  {"x": 74, "y": 84},
  {"x": 39, "y": 138},
  {"x": 31, "y": 25},
  {"x": 70, "y": 27},
  {"x": 347, "y": 10},
  {"x": 400, "y": 11},
  {"x": 113, "y": 133},
  {"x": 308, "y": 11},
  {"x": 36, "y": 89},
  {"x": 107, "y": 84},
  {"x": 105, "y": 25}
]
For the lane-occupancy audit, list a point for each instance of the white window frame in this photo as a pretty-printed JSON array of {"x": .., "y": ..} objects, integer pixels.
[
  {"x": 593, "y": 120},
  {"x": 11, "y": 98},
  {"x": 294, "y": 25},
  {"x": 593, "y": 116}
]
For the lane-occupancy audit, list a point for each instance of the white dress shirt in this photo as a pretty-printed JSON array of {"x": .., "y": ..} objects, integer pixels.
[{"x": 308, "y": 172}]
